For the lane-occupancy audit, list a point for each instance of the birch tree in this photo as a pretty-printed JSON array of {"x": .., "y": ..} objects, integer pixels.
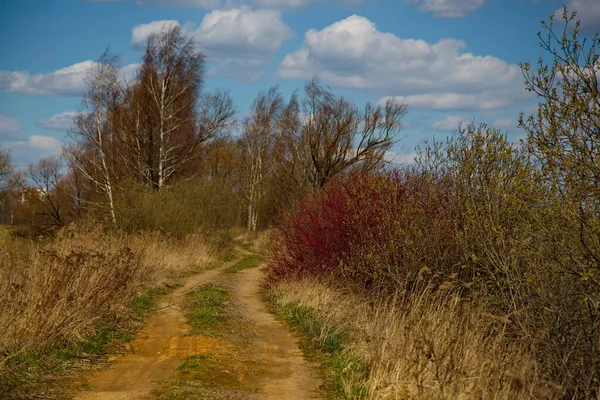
[
  {"x": 261, "y": 130},
  {"x": 169, "y": 116},
  {"x": 94, "y": 133}
]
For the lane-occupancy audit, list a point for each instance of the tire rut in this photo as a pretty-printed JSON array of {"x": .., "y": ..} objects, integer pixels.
[{"x": 163, "y": 343}]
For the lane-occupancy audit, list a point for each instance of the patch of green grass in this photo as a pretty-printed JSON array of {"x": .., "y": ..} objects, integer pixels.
[
  {"x": 247, "y": 262},
  {"x": 229, "y": 257},
  {"x": 193, "y": 361},
  {"x": 205, "y": 309},
  {"x": 321, "y": 341},
  {"x": 145, "y": 303},
  {"x": 94, "y": 344}
]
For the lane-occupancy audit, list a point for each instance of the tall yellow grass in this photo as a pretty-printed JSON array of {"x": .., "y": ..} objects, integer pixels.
[
  {"x": 56, "y": 292},
  {"x": 432, "y": 346}
]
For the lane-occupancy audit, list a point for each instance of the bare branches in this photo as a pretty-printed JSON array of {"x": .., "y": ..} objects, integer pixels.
[
  {"x": 6, "y": 168},
  {"x": 335, "y": 136},
  {"x": 46, "y": 178},
  {"x": 95, "y": 131},
  {"x": 260, "y": 134},
  {"x": 565, "y": 133}
]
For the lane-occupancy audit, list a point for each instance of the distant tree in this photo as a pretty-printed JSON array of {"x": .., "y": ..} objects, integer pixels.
[
  {"x": 46, "y": 178},
  {"x": 329, "y": 135},
  {"x": 95, "y": 141},
  {"x": 260, "y": 133},
  {"x": 6, "y": 170},
  {"x": 6, "y": 167},
  {"x": 167, "y": 117}
]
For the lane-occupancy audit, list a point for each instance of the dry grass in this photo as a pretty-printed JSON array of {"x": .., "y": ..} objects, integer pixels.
[
  {"x": 54, "y": 293},
  {"x": 434, "y": 346},
  {"x": 170, "y": 257}
]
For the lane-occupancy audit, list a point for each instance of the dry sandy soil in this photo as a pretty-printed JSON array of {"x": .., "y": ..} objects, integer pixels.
[{"x": 257, "y": 357}]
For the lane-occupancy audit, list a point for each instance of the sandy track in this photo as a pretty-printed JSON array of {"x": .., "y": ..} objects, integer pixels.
[
  {"x": 162, "y": 345},
  {"x": 287, "y": 374},
  {"x": 157, "y": 350}
]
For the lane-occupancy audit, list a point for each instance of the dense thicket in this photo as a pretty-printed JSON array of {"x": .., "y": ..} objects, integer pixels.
[
  {"x": 162, "y": 133},
  {"x": 513, "y": 229}
]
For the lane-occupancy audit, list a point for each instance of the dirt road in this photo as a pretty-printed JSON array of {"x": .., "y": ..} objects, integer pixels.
[
  {"x": 279, "y": 370},
  {"x": 287, "y": 376}
]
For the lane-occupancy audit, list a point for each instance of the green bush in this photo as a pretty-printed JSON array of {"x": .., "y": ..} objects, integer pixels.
[{"x": 195, "y": 206}]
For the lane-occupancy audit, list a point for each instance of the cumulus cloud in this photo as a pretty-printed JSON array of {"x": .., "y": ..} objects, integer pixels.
[
  {"x": 448, "y": 123},
  {"x": 400, "y": 158},
  {"x": 9, "y": 128},
  {"x": 486, "y": 100},
  {"x": 59, "y": 122},
  {"x": 505, "y": 124},
  {"x": 588, "y": 11},
  {"x": 141, "y": 33},
  {"x": 238, "y": 42},
  {"x": 448, "y": 8},
  {"x": 353, "y": 54},
  {"x": 219, "y": 4},
  {"x": 32, "y": 149},
  {"x": 68, "y": 81}
]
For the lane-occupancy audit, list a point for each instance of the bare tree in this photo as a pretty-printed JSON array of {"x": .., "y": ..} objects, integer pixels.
[
  {"x": 93, "y": 152},
  {"x": 261, "y": 131},
  {"x": 6, "y": 167},
  {"x": 45, "y": 177},
  {"x": 333, "y": 135},
  {"x": 168, "y": 117},
  {"x": 6, "y": 170}
]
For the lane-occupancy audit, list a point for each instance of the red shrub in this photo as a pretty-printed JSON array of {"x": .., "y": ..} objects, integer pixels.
[{"x": 373, "y": 230}]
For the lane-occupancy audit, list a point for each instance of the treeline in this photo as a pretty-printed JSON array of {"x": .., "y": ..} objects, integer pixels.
[
  {"x": 508, "y": 232},
  {"x": 160, "y": 153}
]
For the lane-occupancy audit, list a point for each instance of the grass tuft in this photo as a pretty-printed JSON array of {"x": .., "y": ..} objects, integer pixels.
[
  {"x": 248, "y": 262},
  {"x": 206, "y": 309}
]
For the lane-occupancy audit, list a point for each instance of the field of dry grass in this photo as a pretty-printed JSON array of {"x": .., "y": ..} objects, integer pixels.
[
  {"x": 433, "y": 346},
  {"x": 54, "y": 293}
]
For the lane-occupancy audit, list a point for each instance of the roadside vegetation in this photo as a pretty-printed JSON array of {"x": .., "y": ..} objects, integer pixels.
[
  {"x": 248, "y": 262},
  {"x": 205, "y": 309},
  {"x": 67, "y": 301},
  {"x": 474, "y": 273}
]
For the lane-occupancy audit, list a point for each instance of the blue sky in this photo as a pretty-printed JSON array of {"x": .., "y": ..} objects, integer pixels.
[{"x": 447, "y": 60}]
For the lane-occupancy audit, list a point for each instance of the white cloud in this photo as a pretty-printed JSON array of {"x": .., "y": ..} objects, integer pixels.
[
  {"x": 9, "y": 128},
  {"x": 505, "y": 124},
  {"x": 66, "y": 81},
  {"x": 238, "y": 42},
  {"x": 32, "y": 149},
  {"x": 353, "y": 54},
  {"x": 400, "y": 158},
  {"x": 219, "y": 4},
  {"x": 448, "y": 8},
  {"x": 59, "y": 122},
  {"x": 588, "y": 11},
  {"x": 448, "y": 123},
  {"x": 489, "y": 100},
  {"x": 141, "y": 33}
]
